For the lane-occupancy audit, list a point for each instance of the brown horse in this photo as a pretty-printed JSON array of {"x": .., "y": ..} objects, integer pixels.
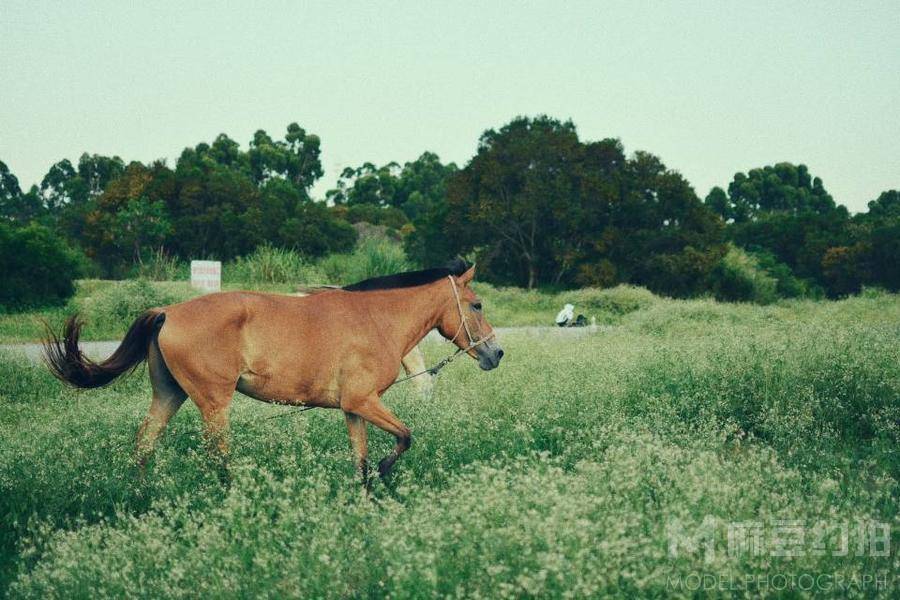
[{"x": 336, "y": 349}]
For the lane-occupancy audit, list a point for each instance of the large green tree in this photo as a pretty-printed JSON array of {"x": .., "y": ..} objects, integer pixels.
[
  {"x": 9, "y": 187},
  {"x": 227, "y": 201},
  {"x": 413, "y": 188},
  {"x": 37, "y": 268},
  {"x": 67, "y": 184},
  {"x": 422, "y": 185},
  {"x": 285, "y": 216},
  {"x": 67, "y": 191},
  {"x": 409, "y": 200},
  {"x": 213, "y": 202},
  {"x": 516, "y": 198},
  {"x": 784, "y": 211},
  {"x": 538, "y": 206},
  {"x": 296, "y": 159},
  {"x": 129, "y": 219},
  {"x": 15, "y": 205},
  {"x": 367, "y": 184},
  {"x": 872, "y": 255},
  {"x": 220, "y": 201},
  {"x": 660, "y": 234},
  {"x": 782, "y": 188}
]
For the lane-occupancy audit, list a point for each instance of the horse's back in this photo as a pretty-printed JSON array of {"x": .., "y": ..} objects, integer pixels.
[
  {"x": 251, "y": 335},
  {"x": 289, "y": 349}
]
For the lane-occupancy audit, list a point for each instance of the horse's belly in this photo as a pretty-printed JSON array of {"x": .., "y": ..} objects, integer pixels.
[{"x": 279, "y": 391}]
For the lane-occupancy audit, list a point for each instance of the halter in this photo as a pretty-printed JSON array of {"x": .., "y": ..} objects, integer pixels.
[{"x": 464, "y": 325}]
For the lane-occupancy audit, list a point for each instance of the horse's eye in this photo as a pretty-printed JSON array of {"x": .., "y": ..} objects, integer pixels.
[{"x": 476, "y": 306}]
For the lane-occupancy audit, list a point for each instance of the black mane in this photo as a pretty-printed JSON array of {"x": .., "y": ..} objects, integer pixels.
[{"x": 410, "y": 278}]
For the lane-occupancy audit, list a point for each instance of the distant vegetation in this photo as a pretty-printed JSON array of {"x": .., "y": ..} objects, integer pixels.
[
  {"x": 108, "y": 307},
  {"x": 536, "y": 206}
]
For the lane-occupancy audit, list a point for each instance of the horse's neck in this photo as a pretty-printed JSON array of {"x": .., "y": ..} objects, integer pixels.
[{"x": 406, "y": 315}]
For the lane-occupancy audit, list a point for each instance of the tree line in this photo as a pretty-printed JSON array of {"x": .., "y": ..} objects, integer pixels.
[{"x": 536, "y": 206}]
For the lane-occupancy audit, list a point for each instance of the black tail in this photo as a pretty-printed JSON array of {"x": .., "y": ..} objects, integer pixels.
[{"x": 69, "y": 365}]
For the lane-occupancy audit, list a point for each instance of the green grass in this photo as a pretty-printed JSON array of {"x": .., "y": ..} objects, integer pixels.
[{"x": 562, "y": 473}]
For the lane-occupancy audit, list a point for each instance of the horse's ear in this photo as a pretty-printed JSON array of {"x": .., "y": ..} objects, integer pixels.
[{"x": 468, "y": 276}]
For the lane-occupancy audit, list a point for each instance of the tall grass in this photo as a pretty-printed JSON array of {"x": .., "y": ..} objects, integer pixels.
[
  {"x": 161, "y": 266},
  {"x": 372, "y": 257},
  {"x": 114, "y": 307},
  {"x": 270, "y": 265},
  {"x": 561, "y": 474}
]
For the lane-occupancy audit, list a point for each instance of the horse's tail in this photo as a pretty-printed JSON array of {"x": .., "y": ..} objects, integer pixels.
[{"x": 69, "y": 365}]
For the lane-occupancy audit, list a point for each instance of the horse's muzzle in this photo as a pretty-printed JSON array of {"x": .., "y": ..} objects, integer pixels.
[{"x": 489, "y": 355}]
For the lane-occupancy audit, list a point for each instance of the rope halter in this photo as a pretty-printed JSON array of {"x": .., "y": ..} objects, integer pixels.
[
  {"x": 464, "y": 323},
  {"x": 463, "y": 326}
]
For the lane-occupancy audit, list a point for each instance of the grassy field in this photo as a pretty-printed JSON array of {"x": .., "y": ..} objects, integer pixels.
[{"x": 623, "y": 461}]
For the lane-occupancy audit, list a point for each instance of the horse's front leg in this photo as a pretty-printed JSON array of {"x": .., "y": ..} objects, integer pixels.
[
  {"x": 414, "y": 363},
  {"x": 372, "y": 410}
]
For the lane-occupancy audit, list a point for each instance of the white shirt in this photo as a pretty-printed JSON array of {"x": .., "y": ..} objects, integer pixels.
[{"x": 566, "y": 314}]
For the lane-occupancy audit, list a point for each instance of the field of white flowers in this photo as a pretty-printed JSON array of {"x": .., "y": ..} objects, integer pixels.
[{"x": 692, "y": 448}]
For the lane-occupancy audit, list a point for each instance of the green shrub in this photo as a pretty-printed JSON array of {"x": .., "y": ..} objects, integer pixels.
[
  {"x": 372, "y": 257},
  {"x": 271, "y": 265},
  {"x": 787, "y": 285},
  {"x": 36, "y": 267},
  {"x": 114, "y": 306},
  {"x": 616, "y": 301},
  {"x": 739, "y": 278}
]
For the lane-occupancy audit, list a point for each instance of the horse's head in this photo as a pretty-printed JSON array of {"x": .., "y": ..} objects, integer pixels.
[{"x": 463, "y": 323}]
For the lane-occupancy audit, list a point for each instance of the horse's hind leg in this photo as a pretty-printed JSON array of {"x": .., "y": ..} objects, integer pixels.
[
  {"x": 213, "y": 398},
  {"x": 212, "y": 393},
  {"x": 167, "y": 399}
]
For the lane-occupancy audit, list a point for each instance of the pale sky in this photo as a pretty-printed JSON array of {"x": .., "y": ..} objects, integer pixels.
[{"x": 711, "y": 87}]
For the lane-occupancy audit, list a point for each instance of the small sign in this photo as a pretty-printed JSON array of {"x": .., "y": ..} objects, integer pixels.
[{"x": 206, "y": 275}]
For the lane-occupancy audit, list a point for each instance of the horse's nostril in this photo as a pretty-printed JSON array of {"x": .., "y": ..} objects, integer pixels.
[{"x": 499, "y": 354}]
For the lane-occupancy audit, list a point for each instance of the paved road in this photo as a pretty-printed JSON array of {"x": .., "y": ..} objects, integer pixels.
[{"x": 100, "y": 350}]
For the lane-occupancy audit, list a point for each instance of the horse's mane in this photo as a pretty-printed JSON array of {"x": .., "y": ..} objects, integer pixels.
[{"x": 410, "y": 278}]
